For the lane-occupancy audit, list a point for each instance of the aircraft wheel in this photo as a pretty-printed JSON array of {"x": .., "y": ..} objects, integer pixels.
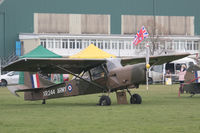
[
  {"x": 104, "y": 101},
  {"x": 135, "y": 99}
]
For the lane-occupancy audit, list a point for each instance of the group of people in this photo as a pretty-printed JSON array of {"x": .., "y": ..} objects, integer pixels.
[{"x": 181, "y": 75}]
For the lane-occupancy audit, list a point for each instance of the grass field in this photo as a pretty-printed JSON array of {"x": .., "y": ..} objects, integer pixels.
[{"x": 162, "y": 111}]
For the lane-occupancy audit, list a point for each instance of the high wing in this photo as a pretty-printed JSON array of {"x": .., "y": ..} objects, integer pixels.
[
  {"x": 154, "y": 60},
  {"x": 49, "y": 65}
]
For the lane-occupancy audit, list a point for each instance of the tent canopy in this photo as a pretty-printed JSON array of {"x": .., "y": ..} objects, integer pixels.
[
  {"x": 40, "y": 52},
  {"x": 92, "y": 52}
]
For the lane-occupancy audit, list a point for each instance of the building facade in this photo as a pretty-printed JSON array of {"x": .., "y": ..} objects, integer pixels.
[
  {"x": 119, "y": 45},
  {"x": 114, "y": 18}
]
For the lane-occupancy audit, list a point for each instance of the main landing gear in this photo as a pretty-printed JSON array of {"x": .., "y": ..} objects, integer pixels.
[
  {"x": 104, "y": 101},
  {"x": 135, "y": 98}
]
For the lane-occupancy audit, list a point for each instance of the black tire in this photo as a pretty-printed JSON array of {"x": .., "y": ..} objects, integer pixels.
[
  {"x": 150, "y": 80},
  {"x": 4, "y": 82},
  {"x": 105, "y": 101},
  {"x": 135, "y": 99}
]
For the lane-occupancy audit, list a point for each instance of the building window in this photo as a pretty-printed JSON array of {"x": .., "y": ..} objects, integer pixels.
[
  {"x": 182, "y": 45},
  {"x": 107, "y": 45},
  {"x": 130, "y": 44},
  {"x": 121, "y": 44},
  {"x": 57, "y": 43},
  {"x": 176, "y": 45},
  {"x": 99, "y": 43},
  {"x": 113, "y": 45},
  {"x": 43, "y": 42},
  {"x": 126, "y": 44},
  {"x": 50, "y": 43},
  {"x": 72, "y": 43},
  {"x": 189, "y": 45},
  {"x": 79, "y": 44},
  {"x": 196, "y": 45},
  {"x": 169, "y": 45},
  {"x": 84, "y": 44},
  {"x": 65, "y": 43},
  {"x": 93, "y": 42}
]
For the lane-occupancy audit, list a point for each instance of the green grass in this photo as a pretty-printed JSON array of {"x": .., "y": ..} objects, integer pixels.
[{"x": 162, "y": 111}]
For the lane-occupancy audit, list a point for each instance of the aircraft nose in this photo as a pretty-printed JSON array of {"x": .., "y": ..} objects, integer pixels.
[{"x": 138, "y": 73}]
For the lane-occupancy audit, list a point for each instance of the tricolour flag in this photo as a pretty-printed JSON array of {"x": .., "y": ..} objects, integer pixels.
[
  {"x": 35, "y": 81},
  {"x": 141, "y": 34}
]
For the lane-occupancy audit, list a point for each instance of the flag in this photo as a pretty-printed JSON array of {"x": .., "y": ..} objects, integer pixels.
[
  {"x": 35, "y": 81},
  {"x": 141, "y": 34}
]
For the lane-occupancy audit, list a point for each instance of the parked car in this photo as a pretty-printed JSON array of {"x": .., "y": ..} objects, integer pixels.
[{"x": 9, "y": 78}]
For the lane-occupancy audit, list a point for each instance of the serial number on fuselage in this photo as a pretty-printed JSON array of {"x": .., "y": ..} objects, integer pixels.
[{"x": 53, "y": 92}]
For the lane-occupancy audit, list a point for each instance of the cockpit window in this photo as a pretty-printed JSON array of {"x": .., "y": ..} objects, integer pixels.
[
  {"x": 97, "y": 72},
  {"x": 113, "y": 63},
  {"x": 86, "y": 76}
]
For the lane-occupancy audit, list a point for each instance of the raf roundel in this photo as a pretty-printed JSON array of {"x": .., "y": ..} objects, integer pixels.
[{"x": 69, "y": 88}]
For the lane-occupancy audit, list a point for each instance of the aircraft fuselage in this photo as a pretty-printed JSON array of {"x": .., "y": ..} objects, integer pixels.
[{"x": 116, "y": 79}]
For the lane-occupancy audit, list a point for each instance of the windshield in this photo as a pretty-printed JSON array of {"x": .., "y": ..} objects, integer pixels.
[{"x": 113, "y": 63}]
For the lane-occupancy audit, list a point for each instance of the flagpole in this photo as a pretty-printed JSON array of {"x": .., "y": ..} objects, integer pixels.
[
  {"x": 147, "y": 66},
  {"x": 142, "y": 34}
]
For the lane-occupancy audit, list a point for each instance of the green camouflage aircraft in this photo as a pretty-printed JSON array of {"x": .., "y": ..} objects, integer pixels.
[{"x": 92, "y": 76}]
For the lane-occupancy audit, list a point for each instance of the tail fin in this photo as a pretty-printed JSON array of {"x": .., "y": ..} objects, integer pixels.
[
  {"x": 33, "y": 83},
  {"x": 36, "y": 80}
]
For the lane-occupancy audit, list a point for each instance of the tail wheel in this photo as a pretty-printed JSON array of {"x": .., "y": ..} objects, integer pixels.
[
  {"x": 135, "y": 99},
  {"x": 104, "y": 101},
  {"x": 4, "y": 82}
]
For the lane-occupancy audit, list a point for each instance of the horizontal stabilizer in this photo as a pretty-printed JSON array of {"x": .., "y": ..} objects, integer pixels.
[
  {"x": 21, "y": 88},
  {"x": 13, "y": 90}
]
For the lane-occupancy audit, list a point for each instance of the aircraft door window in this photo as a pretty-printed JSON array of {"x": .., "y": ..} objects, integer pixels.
[
  {"x": 97, "y": 72},
  {"x": 86, "y": 76}
]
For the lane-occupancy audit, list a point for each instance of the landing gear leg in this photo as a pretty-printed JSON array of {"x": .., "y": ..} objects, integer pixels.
[
  {"x": 128, "y": 91},
  {"x": 135, "y": 98},
  {"x": 44, "y": 101}
]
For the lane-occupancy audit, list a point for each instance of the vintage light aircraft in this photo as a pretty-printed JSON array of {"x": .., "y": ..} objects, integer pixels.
[{"x": 92, "y": 76}]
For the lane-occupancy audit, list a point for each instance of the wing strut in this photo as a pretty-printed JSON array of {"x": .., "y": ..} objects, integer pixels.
[{"x": 95, "y": 84}]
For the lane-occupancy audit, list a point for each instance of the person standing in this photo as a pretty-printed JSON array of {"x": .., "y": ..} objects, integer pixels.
[
  {"x": 181, "y": 78},
  {"x": 168, "y": 78}
]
